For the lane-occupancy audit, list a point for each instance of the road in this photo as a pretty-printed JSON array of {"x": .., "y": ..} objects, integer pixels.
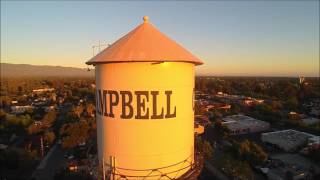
[
  {"x": 55, "y": 157},
  {"x": 52, "y": 162},
  {"x": 217, "y": 173}
]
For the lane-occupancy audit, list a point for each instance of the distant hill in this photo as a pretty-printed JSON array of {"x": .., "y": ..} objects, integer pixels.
[{"x": 26, "y": 70}]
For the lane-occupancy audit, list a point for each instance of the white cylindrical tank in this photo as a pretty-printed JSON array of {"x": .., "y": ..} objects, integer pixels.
[{"x": 144, "y": 104}]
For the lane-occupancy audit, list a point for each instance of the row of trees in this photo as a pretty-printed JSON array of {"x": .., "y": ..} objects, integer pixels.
[
  {"x": 16, "y": 163},
  {"x": 14, "y": 124},
  {"x": 13, "y": 158},
  {"x": 77, "y": 132},
  {"x": 280, "y": 88},
  {"x": 250, "y": 152},
  {"x": 19, "y": 86},
  {"x": 216, "y": 132},
  {"x": 46, "y": 122},
  {"x": 204, "y": 147},
  {"x": 288, "y": 91},
  {"x": 238, "y": 160},
  {"x": 237, "y": 169}
]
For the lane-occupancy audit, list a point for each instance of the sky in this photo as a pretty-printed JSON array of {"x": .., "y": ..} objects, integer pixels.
[{"x": 233, "y": 38}]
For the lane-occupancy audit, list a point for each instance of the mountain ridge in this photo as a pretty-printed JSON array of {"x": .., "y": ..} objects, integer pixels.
[{"x": 28, "y": 70}]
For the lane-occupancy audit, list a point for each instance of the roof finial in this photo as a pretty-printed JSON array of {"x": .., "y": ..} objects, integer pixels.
[{"x": 145, "y": 19}]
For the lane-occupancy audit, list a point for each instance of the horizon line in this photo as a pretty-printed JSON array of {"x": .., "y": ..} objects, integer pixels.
[{"x": 197, "y": 75}]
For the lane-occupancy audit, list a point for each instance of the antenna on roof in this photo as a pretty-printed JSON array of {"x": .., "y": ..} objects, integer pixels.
[{"x": 99, "y": 47}]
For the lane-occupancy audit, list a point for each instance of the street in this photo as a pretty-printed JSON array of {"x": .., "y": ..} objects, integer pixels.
[{"x": 52, "y": 162}]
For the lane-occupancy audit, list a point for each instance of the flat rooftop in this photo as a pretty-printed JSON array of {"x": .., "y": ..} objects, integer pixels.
[
  {"x": 243, "y": 122},
  {"x": 310, "y": 120},
  {"x": 287, "y": 139}
]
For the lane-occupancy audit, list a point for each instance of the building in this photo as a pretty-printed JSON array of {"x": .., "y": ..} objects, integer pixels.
[
  {"x": 20, "y": 109},
  {"x": 48, "y": 108},
  {"x": 289, "y": 140},
  {"x": 198, "y": 129},
  {"x": 281, "y": 173},
  {"x": 315, "y": 111},
  {"x": 3, "y": 146},
  {"x": 248, "y": 101},
  {"x": 202, "y": 120},
  {"x": 310, "y": 121},
  {"x": 314, "y": 142},
  {"x": 54, "y": 97},
  {"x": 42, "y": 90},
  {"x": 290, "y": 166},
  {"x": 240, "y": 124},
  {"x": 144, "y": 105},
  {"x": 240, "y": 99},
  {"x": 313, "y": 106},
  {"x": 221, "y": 106}
]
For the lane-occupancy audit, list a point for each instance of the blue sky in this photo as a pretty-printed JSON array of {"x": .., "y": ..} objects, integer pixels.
[{"x": 231, "y": 37}]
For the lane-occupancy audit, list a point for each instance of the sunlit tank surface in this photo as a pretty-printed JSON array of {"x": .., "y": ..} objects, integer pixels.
[{"x": 144, "y": 104}]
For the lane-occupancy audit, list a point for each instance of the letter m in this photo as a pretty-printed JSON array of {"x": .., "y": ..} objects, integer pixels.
[{"x": 100, "y": 101}]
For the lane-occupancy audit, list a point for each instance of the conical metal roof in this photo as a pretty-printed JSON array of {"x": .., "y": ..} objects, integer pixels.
[{"x": 144, "y": 44}]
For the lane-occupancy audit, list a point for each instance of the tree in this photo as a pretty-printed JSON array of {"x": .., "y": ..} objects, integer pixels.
[
  {"x": 14, "y": 158},
  {"x": 234, "y": 168},
  {"x": 265, "y": 113},
  {"x": 23, "y": 120},
  {"x": 75, "y": 133},
  {"x": 292, "y": 103},
  {"x": 235, "y": 108},
  {"x": 90, "y": 109},
  {"x": 251, "y": 152},
  {"x": 221, "y": 131},
  {"x": 216, "y": 114},
  {"x": 34, "y": 129},
  {"x": 198, "y": 109},
  {"x": 46, "y": 122},
  {"x": 276, "y": 105},
  {"x": 26, "y": 120},
  {"x": 77, "y": 111},
  {"x": 29, "y": 111},
  {"x": 20, "y": 89},
  {"x": 5, "y": 101},
  {"x": 204, "y": 147},
  {"x": 49, "y": 137},
  {"x": 202, "y": 84},
  {"x": 2, "y": 114},
  {"x": 49, "y": 118}
]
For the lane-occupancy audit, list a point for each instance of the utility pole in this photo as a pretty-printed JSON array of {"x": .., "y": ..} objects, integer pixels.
[
  {"x": 113, "y": 167},
  {"x": 103, "y": 170},
  {"x": 99, "y": 46},
  {"x": 41, "y": 146}
]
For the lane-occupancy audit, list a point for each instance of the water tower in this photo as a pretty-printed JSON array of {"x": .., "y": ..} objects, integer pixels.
[{"x": 144, "y": 105}]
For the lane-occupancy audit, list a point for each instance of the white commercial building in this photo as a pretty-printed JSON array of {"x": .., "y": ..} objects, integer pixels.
[
  {"x": 289, "y": 140},
  {"x": 240, "y": 124},
  {"x": 310, "y": 121},
  {"x": 20, "y": 109}
]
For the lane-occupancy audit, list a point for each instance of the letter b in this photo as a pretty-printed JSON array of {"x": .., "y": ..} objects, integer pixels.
[{"x": 125, "y": 104}]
